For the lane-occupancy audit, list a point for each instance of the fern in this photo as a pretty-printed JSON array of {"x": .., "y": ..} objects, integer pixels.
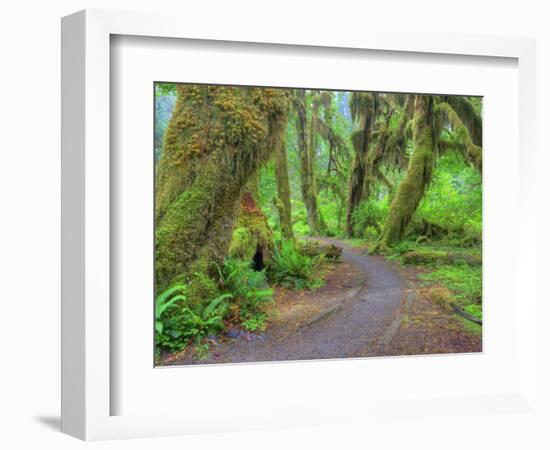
[{"x": 291, "y": 268}]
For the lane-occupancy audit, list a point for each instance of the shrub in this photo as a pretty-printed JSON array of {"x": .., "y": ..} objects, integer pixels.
[
  {"x": 291, "y": 268},
  {"x": 177, "y": 321},
  {"x": 402, "y": 248},
  {"x": 367, "y": 219},
  {"x": 248, "y": 288}
]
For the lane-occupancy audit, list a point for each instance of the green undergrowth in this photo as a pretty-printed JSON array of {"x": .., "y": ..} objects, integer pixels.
[
  {"x": 453, "y": 274},
  {"x": 241, "y": 299},
  {"x": 250, "y": 291},
  {"x": 292, "y": 268},
  {"x": 471, "y": 327},
  {"x": 463, "y": 281}
]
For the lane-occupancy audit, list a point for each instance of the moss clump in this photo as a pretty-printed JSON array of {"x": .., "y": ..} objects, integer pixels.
[
  {"x": 421, "y": 257},
  {"x": 441, "y": 296},
  {"x": 424, "y": 257},
  {"x": 314, "y": 249},
  {"x": 252, "y": 234}
]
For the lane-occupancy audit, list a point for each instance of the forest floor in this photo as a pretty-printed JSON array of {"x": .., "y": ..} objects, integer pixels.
[{"x": 368, "y": 306}]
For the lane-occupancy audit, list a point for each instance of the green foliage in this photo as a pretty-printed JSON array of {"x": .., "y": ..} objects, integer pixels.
[
  {"x": 177, "y": 322},
  {"x": 439, "y": 225},
  {"x": 255, "y": 323},
  {"x": 368, "y": 218},
  {"x": 292, "y": 269},
  {"x": 453, "y": 201},
  {"x": 474, "y": 309},
  {"x": 248, "y": 288},
  {"x": 163, "y": 89},
  {"x": 434, "y": 257},
  {"x": 301, "y": 229},
  {"x": 402, "y": 248},
  {"x": 166, "y": 334},
  {"x": 202, "y": 350},
  {"x": 462, "y": 279}
]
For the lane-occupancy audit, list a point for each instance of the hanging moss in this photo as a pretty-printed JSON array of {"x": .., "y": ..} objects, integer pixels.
[
  {"x": 363, "y": 107},
  {"x": 416, "y": 179},
  {"x": 473, "y": 151}
]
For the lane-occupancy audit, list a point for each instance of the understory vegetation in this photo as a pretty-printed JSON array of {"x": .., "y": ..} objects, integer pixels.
[{"x": 245, "y": 176}]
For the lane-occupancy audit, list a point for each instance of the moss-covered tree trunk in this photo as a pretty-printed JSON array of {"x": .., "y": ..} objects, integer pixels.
[
  {"x": 306, "y": 147},
  {"x": 214, "y": 142},
  {"x": 363, "y": 109},
  {"x": 252, "y": 238},
  {"x": 282, "y": 202},
  {"x": 417, "y": 177}
]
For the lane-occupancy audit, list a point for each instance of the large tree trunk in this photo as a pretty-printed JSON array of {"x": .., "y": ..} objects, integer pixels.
[
  {"x": 282, "y": 202},
  {"x": 365, "y": 106},
  {"x": 416, "y": 179},
  {"x": 214, "y": 143},
  {"x": 306, "y": 147}
]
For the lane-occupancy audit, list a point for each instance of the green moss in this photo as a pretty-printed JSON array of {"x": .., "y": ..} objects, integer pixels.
[
  {"x": 424, "y": 257},
  {"x": 251, "y": 234},
  {"x": 442, "y": 296},
  {"x": 242, "y": 244},
  {"x": 420, "y": 257},
  {"x": 208, "y": 120},
  {"x": 214, "y": 143},
  {"x": 417, "y": 178},
  {"x": 473, "y": 151}
]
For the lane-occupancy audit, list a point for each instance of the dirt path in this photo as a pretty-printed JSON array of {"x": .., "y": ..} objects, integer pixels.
[{"x": 338, "y": 321}]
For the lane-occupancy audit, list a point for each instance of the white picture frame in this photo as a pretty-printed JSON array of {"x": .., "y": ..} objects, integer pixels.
[{"x": 87, "y": 386}]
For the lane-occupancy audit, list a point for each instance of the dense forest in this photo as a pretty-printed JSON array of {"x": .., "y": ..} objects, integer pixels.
[{"x": 266, "y": 195}]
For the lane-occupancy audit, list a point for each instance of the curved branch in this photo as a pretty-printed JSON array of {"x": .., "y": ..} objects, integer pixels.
[{"x": 473, "y": 151}]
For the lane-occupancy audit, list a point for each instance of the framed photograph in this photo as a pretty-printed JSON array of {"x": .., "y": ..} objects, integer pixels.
[{"x": 264, "y": 228}]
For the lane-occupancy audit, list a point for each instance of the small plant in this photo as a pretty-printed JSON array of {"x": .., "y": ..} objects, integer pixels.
[
  {"x": 248, "y": 287},
  {"x": 202, "y": 350},
  {"x": 402, "y": 248},
  {"x": 292, "y": 269},
  {"x": 166, "y": 333},
  {"x": 208, "y": 321},
  {"x": 255, "y": 323}
]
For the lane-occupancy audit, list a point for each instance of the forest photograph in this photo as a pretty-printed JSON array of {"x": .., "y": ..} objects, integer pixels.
[{"x": 305, "y": 224}]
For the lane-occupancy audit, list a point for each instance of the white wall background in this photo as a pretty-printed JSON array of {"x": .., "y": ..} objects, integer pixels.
[{"x": 30, "y": 193}]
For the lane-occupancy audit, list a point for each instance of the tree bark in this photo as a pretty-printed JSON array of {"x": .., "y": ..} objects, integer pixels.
[
  {"x": 416, "y": 179},
  {"x": 214, "y": 143},
  {"x": 306, "y": 147},
  {"x": 283, "y": 204},
  {"x": 361, "y": 140}
]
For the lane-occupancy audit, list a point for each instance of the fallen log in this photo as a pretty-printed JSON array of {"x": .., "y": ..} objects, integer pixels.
[
  {"x": 314, "y": 249},
  {"x": 464, "y": 314}
]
